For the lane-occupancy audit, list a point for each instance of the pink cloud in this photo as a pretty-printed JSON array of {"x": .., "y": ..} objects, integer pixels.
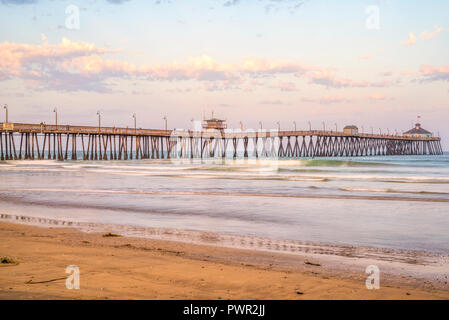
[
  {"x": 69, "y": 66},
  {"x": 40, "y": 64},
  {"x": 429, "y": 35},
  {"x": 47, "y": 65},
  {"x": 425, "y": 35},
  {"x": 411, "y": 40},
  {"x": 434, "y": 73},
  {"x": 266, "y": 66},
  {"x": 376, "y": 97}
]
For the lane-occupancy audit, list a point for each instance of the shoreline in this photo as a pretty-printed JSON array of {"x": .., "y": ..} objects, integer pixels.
[{"x": 127, "y": 267}]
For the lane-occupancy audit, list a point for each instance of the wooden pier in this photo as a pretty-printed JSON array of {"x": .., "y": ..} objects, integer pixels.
[{"x": 64, "y": 142}]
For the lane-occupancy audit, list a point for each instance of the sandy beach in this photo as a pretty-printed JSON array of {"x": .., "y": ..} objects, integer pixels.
[{"x": 133, "y": 268}]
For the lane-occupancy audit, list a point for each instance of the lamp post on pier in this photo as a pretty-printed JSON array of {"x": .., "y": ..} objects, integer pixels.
[
  {"x": 294, "y": 123},
  {"x": 336, "y": 128},
  {"x": 99, "y": 121},
  {"x": 260, "y": 124},
  {"x": 310, "y": 126},
  {"x": 55, "y": 110},
  {"x": 135, "y": 123},
  {"x": 165, "y": 122},
  {"x": 6, "y": 110},
  {"x": 324, "y": 126},
  {"x": 279, "y": 126}
]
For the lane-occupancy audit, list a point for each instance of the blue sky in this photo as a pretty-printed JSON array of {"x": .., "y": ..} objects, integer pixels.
[{"x": 253, "y": 60}]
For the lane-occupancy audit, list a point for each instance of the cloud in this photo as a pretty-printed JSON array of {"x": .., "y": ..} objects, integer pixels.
[
  {"x": 220, "y": 85},
  {"x": 376, "y": 97},
  {"x": 425, "y": 35},
  {"x": 70, "y": 61},
  {"x": 256, "y": 82},
  {"x": 88, "y": 67},
  {"x": 328, "y": 99},
  {"x": 202, "y": 68},
  {"x": 231, "y": 3},
  {"x": 326, "y": 78},
  {"x": 429, "y": 35},
  {"x": 407, "y": 72},
  {"x": 272, "y": 102},
  {"x": 45, "y": 65},
  {"x": 264, "y": 67},
  {"x": 434, "y": 73},
  {"x": 290, "y": 5},
  {"x": 284, "y": 86},
  {"x": 411, "y": 41},
  {"x": 428, "y": 73}
]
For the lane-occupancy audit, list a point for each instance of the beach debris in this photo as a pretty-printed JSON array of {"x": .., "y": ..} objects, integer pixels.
[
  {"x": 109, "y": 234},
  {"x": 312, "y": 264},
  {"x": 45, "y": 281},
  {"x": 8, "y": 260},
  {"x": 299, "y": 292}
]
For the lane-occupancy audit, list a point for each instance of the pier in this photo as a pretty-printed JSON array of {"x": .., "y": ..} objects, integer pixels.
[{"x": 66, "y": 142}]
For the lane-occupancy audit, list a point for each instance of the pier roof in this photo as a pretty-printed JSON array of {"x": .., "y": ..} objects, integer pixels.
[{"x": 417, "y": 130}]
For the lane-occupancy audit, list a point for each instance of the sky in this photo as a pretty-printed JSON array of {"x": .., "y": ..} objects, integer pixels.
[{"x": 376, "y": 64}]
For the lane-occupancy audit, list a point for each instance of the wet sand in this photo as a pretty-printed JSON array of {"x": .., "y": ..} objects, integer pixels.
[
  {"x": 136, "y": 268},
  {"x": 239, "y": 194}
]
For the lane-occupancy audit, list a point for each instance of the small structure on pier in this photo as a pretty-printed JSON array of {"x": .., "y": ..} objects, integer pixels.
[
  {"x": 351, "y": 130},
  {"x": 214, "y": 124},
  {"x": 418, "y": 132}
]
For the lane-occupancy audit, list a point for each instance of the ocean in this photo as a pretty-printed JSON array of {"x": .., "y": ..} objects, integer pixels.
[{"x": 383, "y": 202}]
